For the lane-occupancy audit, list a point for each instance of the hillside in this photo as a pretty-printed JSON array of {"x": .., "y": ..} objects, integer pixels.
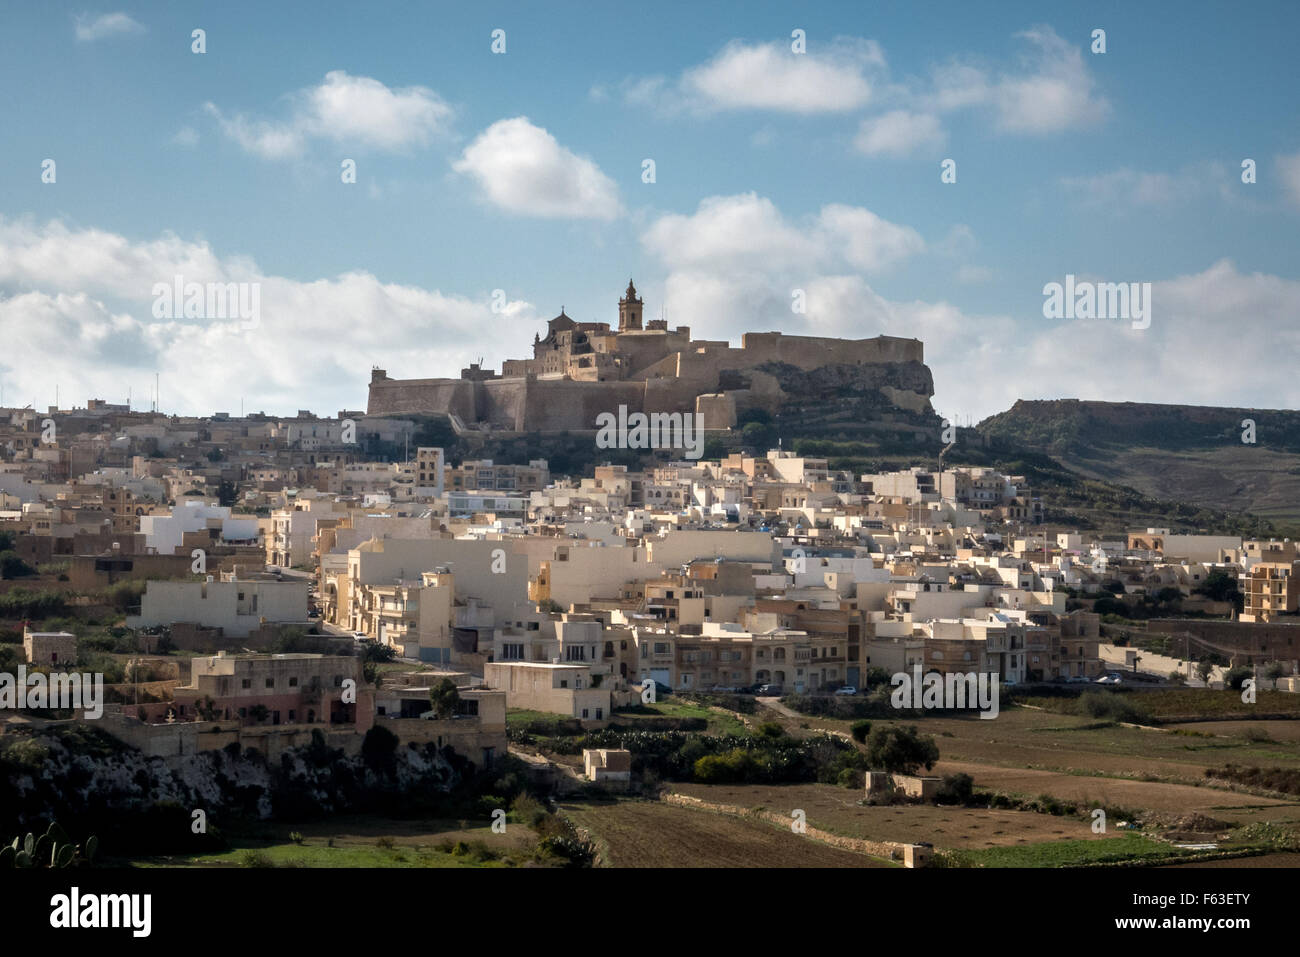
[{"x": 1192, "y": 454}]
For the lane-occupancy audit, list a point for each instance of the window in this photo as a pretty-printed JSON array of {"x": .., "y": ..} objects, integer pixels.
[
  {"x": 293, "y": 683},
  {"x": 584, "y": 712},
  {"x": 246, "y": 683},
  {"x": 270, "y": 682},
  {"x": 338, "y": 681}
]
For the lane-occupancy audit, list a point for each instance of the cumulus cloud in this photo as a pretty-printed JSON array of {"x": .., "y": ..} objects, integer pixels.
[
  {"x": 522, "y": 169},
  {"x": 769, "y": 76},
  {"x": 1056, "y": 91},
  {"x": 76, "y": 309},
  {"x": 88, "y": 29},
  {"x": 747, "y": 231},
  {"x": 732, "y": 268},
  {"x": 1049, "y": 89},
  {"x": 898, "y": 133},
  {"x": 356, "y": 110}
]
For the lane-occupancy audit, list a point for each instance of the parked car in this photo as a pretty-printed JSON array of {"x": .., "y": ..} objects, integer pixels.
[
  {"x": 768, "y": 691},
  {"x": 1076, "y": 680},
  {"x": 846, "y": 689},
  {"x": 1009, "y": 682},
  {"x": 1110, "y": 679}
]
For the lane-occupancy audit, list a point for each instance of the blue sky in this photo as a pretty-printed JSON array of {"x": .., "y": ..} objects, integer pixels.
[{"x": 775, "y": 171}]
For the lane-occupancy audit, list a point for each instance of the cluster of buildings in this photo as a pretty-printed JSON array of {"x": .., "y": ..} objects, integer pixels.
[{"x": 566, "y": 595}]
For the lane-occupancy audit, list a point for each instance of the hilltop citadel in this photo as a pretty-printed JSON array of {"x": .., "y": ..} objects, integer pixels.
[{"x": 581, "y": 369}]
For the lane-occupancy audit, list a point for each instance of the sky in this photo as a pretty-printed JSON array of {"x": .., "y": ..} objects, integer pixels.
[{"x": 798, "y": 185}]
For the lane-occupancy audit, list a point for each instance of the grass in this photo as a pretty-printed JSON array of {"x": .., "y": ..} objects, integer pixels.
[
  {"x": 719, "y": 723},
  {"x": 1193, "y": 702},
  {"x": 1126, "y": 848},
  {"x": 365, "y": 841},
  {"x": 321, "y": 855}
]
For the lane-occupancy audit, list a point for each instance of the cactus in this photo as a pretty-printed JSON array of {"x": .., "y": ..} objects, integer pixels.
[{"x": 51, "y": 849}]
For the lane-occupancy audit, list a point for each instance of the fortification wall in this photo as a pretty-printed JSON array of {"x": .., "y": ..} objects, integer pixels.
[
  {"x": 557, "y": 404},
  {"x": 502, "y": 402},
  {"x": 810, "y": 352},
  {"x": 455, "y": 396}
]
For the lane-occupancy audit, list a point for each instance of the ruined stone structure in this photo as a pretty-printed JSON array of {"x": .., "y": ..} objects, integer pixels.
[{"x": 581, "y": 369}]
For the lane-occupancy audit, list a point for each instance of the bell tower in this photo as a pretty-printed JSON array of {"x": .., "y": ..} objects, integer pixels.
[{"x": 629, "y": 310}]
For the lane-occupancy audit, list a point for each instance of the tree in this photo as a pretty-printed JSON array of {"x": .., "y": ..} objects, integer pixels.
[
  {"x": 379, "y": 749},
  {"x": 877, "y": 676},
  {"x": 900, "y": 750},
  {"x": 1219, "y": 586},
  {"x": 860, "y": 730},
  {"x": 1237, "y": 675},
  {"x": 444, "y": 697},
  {"x": 1203, "y": 669},
  {"x": 11, "y": 566}
]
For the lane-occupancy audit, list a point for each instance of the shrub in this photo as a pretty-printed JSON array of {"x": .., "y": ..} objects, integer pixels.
[
  {"x": 1236, "y": 676},
  {"x": 860, "y": 730},
  {"x": 955, "y": 789},
  {"x": 1110, "y": 706}
]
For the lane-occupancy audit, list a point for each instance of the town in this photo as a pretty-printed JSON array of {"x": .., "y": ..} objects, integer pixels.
[{"x": 262, "y": 583}]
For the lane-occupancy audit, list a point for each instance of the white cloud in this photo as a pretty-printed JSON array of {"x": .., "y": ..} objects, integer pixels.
[
  {"x": 89, "y": 29},
  {"x": 769, "y": 76},
  {"x": 866, "y": 241},
  {"x": 1288, "y": 168},
  {"x": 748, "y": 231},
  {"x": 1050, "y": 90},
  {"x": 731, "y": 269},
  {"x": 1055, "y": 94},
  {"x": 898, "y": 133},
  {"x": 521, "y": 168},
  {"x": 354, "y": 110},
  {"x": 76, "y": 310}
]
